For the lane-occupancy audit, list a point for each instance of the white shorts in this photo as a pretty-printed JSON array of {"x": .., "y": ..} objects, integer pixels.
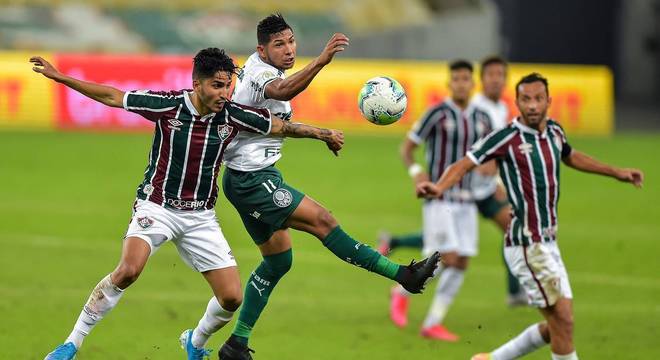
[
  {"x": 450, "y": 227},
  {"x": 541, "y": 272},
  {"x": 196, "y": 234}
]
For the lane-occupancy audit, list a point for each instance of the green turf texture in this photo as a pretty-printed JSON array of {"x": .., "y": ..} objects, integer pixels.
[{"x": 66, "y": 202}]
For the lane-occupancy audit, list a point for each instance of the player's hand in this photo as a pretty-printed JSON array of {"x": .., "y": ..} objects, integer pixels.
[
  {"x": 427, "y": 189},
  {"x": 335, "y": 140},
  {"x": 338, "y": 42},
  {"x": 633, "y": 176},
  {"x": 420, "y": 178},
  {"x": 44, "y": 67}
]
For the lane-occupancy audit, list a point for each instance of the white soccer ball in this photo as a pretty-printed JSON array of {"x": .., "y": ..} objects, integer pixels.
[{"x": 382, "y": 100}]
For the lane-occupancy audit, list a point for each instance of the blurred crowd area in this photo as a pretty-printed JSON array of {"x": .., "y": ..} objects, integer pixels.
[
  {"x": 184, "y": 26},
  {"x": 623, "y": 35}
]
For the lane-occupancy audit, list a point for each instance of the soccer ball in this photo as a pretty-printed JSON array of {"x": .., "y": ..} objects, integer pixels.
[{"x": 382, "y": 100}]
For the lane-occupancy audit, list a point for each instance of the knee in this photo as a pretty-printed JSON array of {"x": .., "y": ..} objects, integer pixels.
[
  {"x": 125, "y": 275},
  {"x": 281, "y": 263},
  {"x": 232, "y": 300},
  {"x": 462, "y": 262}
]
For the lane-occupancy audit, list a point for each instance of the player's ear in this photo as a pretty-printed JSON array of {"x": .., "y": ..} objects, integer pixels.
[
  {"x": 549, "y": 100},
  {"x": 261, "y": 50},
  {"x": 197, "y": 84}
]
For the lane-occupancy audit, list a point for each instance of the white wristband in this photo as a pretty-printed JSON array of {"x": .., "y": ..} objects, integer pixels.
[{"x": 414, "y": 170}]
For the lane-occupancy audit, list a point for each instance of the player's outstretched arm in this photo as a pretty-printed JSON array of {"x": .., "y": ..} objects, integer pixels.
[
  {"x": 287, "y": 89},
  {"x": 334, "y": 139},
  {"x": 101, "y": 93},
  {"x": 583, "y": 162},
  {"x": 452, "y": 175},
  {"x": 415, "y": 170}
]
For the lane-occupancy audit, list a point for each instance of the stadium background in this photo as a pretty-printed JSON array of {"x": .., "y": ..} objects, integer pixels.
[{"x": 70, "y": 166}]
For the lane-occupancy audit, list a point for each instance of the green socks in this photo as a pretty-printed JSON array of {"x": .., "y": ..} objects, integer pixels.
[
  {"x": 358, "y": 254},
  {"x": 257, "y": 290},
  {"x": 411, "y": 240}
]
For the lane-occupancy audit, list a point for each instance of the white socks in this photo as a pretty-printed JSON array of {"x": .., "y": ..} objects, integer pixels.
[
  {"x": 104, "y": 297},
  {"x": 214, "y": 318},
  {"x": 571, "y": 356},
  {"x": 529, "y": 340},
  {"x": 449, "y": 283}
]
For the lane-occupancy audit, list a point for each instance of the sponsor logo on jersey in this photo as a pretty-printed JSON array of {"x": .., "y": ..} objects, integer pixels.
[
  {"x": 174, "y": 124},
  {"x": 224, "y": 131},
  {"x": 282, "y": 198},
  {"x": 145, "y": 222},
  {"x": 183, "y": 204},
  {"x": 525, "y": 148}
]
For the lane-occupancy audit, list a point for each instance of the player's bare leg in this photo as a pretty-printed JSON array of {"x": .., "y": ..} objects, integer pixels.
[
  {"x": 228, "y": 295},
  {"x": 314, "y": 219},
  {"x": 559, "y": 318},
  {"x": 106, "y": 295}
]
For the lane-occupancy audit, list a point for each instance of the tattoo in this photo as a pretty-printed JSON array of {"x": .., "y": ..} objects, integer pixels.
[{"x": 304, "y": 131}]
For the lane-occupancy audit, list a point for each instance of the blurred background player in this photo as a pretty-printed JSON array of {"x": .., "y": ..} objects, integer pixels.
[
  {"x": 490, "y": 196},
  {"x": 266, "y": 204},
  {"x": 177, "y": 197},
  {"x": 528, "y": 153},
  {"x": 450, "y": 223}
]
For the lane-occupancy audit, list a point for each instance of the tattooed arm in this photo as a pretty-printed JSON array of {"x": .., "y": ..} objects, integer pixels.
[{"x": 333, "y": 138}]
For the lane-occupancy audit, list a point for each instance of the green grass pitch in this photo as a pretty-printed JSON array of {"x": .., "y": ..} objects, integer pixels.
[{"x": 66, "y": 201}]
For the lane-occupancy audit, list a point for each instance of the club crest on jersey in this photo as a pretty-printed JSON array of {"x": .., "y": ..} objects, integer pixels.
[
  {"x": 282, "y": 198},
  {"x": 145, "y": 222},
  {"x": 224, "y": 131},
  {"x": 148, "y": 189},
  {"x": 525, "y": 148}
]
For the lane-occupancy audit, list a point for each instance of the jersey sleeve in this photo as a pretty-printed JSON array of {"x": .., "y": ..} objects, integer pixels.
[
  {"x": 151, "y": 104},
  {"x": 492, "y": 146},
  {"x": 257, "y": 120},
  {"x": 260, "y": 77},
  {"x": 566, "y": 148},
  {"x": 422, "y": 128}
]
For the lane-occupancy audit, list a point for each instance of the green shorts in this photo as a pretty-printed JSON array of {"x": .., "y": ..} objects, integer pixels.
[
  {"x": 490, "y": 206},
  {"x": 262, "y": 198}
]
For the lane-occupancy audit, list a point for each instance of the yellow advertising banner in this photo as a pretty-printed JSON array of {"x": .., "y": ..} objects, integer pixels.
[
  {"x": 582, "y": 95},
  {"x": 26, "y": 98}
]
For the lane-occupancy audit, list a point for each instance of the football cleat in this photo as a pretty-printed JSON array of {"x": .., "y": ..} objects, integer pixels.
[
  {"x": 398, "y": 307},
  {"x": 193, "y": 353},
  {"x": 384, "y": 240},
  {"x": 232, "y": 352},
  {"x": 439, "y": 332},
  {"x": 416, "y": 275},
  {"x": 65, "y": 351}
]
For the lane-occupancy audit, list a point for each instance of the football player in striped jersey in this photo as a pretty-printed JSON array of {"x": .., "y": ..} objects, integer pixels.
[
  {"x": 528, "y": 153},
  {"x": 176, "y": 200}
]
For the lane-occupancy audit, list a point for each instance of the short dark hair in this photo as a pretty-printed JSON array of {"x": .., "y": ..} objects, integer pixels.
[
  {"x": 272, "y": 24},
  {"x": 532, "y": 78},
  {"x": 492, "y": 60},
  {"x": 209, "y": 61},
  {"x": 460, "y": 64}
]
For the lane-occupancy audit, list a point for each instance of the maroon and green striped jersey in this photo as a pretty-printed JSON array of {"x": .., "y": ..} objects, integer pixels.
[
  {"x": 529, "y": 163},
  {"x": 449, "y": 132},
  {"x": 187, "y": 148}
]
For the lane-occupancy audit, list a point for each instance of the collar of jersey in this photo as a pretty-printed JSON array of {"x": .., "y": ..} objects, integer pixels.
[
  {"x": 524, "y": 128},
  {"x": 193, "y": 111}
]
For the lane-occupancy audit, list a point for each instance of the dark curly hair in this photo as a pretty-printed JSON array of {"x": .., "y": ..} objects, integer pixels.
[
  {"x": 461, "y": 64},
  {"x": 209, "y": 61},
  {"x": 272, "y": 24}
]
